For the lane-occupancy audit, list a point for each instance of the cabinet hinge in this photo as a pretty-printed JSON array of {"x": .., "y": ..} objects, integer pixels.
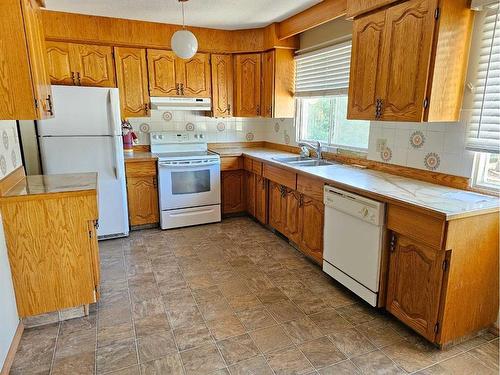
[
  {"x": 437, "y": 12},
  {"x": 445, "y": 265},
  {"x": 426, "y": 103},
  {"x": 36, "y": 103},
  {"x": 436, "y": 328}
]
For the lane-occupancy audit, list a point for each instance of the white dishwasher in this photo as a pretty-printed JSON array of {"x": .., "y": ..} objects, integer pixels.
[{"x": 354, "y": 231}]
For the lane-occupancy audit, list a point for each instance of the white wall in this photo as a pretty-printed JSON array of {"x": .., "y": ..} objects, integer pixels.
[{"x": 10, "y": 159}]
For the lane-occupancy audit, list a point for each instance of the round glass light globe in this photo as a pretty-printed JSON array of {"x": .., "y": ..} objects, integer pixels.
[{"x": 184, "y": 44}]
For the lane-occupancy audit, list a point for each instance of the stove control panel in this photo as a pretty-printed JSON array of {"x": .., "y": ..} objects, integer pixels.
[{"x": 176, "y": 137}]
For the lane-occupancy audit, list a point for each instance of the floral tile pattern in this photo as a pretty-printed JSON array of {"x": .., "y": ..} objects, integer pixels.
[{"x": 10, "y": 152}]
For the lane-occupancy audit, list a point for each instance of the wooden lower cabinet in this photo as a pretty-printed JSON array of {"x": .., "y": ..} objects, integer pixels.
[
  {"x": 261, "y": 201},
  {"x": 311, "y": 224},
  {"x": 414, "y": 290},
  {"x": 293, "y": 227},
  {"x": 233, "y": 192},
  {"x": 250, "y": 179},
  {"x": 277, "y": 206},
  {"x": 142, "y": 193}
]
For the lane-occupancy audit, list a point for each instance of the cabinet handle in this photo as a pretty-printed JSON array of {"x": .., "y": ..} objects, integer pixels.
[
  {"x": 258, "y": 110},
  {"x": 155, "y": 184},
  {"x": 270, "y": 111},
  {"x": 79, "y": 82},
  {"x": 283, "y": 191},
  {"x": 50, "y": 109},
  {"x": 96, "y": 224},
  {"x": 182, "y": 89},
  {"x": 378, "y": 108},
  {"x": 177, "y": 88},
  {"x": 73, "y": 77},
  {"x": 229, "y": 109},
  {"x": 301, "y": 200},
  {"x": 393, "y": 243},
  {"x": 146, "y": 108}
]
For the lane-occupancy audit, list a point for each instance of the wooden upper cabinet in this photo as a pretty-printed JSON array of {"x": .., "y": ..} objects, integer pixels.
[
  {"x": 365, "y": 66},
  {"x": 409, "y": 61},
  {"x": 312, "y": 222},
  {"x": 247, "y": 68},
  {"x": 195, "y": 76},
  {"x": 409, "y": 30},
  {"x": 358, "y": 7},
  {"x": 131, "y": 72},
  {"x": 267, "y": 95},
  {"x": 81, "y": 64},
  {"x": 93, "y": 65},
  {"x": 414, "y": 285},
  {"x": 25, "y": 92},
  {"x": 59, "y": 63},
  {"x": 222, "y": 85},
  {"x": 163, "y": 74}
]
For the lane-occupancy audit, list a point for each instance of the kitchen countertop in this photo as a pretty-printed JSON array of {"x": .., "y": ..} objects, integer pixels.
[
  {"x": 139, "y": 156},
  {"x": 450, "y": 203},
  {"x": 52, "y": 184}
]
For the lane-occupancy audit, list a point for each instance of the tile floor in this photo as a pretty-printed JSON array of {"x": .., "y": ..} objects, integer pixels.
[{"x": 232, "y": 298}]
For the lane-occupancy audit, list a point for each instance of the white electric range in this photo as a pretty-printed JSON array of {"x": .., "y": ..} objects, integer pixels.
[{"x": 188, "y": 179}]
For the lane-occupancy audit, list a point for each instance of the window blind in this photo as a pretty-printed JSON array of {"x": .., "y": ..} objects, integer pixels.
[
  {"x": 484, "y": 126},
  {"x": 323, "y": 72}
]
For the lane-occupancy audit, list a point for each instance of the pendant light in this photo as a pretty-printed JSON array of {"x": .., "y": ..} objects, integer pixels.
[{"x": 184, "y": 43}]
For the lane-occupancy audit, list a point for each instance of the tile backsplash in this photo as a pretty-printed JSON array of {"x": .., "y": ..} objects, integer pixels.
[
  {"x": 10, "y": 151},
  {"x": 436, "y": 147}
]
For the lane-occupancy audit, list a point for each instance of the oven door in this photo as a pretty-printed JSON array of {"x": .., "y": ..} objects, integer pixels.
[{"x": 188, "y": 183}]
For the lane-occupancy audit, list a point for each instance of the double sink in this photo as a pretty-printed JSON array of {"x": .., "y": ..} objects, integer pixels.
[{"x": 301, "y": 161}]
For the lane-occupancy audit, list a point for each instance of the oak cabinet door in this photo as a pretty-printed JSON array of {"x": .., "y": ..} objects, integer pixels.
[
  {"x": 37, "y": 53},
  {"x": 163, "y": 74},
  {"x": 406, "y": 57},
  {"x": 267, "y": 84},
  {"x": 233, "y": 192},
  {"x": 261, "y": 199},
  {"x": 247, "y": 69},
  {"x": 366, "y": 56},
  {"x": 59, "y": 63},
  {"x": 222, "y": 85},
  {"x": 277, "y": 206},
  {"x": 142, "y": 200},
  {"x": 132, "y": 80},
  {"x": 414, "y": 284},
  {"x": 93, "y": 65},
  {"x": 312, "y": 222},
  {"x": 94, "y": 255},
  {"x": 194, "y": 76},
  {"x": 251, "y": 192},
  {"x": 293, "y": 228}
]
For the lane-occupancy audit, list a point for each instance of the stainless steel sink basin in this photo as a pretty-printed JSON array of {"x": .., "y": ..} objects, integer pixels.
[
  {"x": 311, "y": 163},
  {"x": 291, "y": 159}
]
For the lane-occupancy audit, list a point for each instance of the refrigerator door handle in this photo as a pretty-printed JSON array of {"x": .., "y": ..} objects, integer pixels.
[{"x": 114, "y": 123}]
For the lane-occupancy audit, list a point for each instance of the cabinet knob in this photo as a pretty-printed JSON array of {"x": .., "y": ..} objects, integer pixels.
[{"x": 393, "y": 242}]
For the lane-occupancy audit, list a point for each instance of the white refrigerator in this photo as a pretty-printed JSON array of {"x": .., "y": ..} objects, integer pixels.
[{"x": 85, "y": 136}]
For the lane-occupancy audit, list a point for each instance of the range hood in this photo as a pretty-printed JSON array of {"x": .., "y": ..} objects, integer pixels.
[{"x": 180, "y": 104}]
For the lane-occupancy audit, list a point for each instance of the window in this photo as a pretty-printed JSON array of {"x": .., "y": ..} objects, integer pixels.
[
  {"x": 321, "y": 91},
  {"x": 483, "y": 135}
]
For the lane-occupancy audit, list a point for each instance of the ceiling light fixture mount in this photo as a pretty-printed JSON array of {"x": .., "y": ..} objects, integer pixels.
[{"x": 184, "y": 42}]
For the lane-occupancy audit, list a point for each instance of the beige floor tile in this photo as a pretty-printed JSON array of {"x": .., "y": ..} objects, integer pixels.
[
  {"x": 116, "y": 356},
  {"x": 75, "y": 364},
  {"x": 289, "y": 361},
  {"x": 147, "y": 308},
  {"x": 351, "y": 342},
  {"x": 114, "y": 315},
  {"x": 342, "y": 368},
  {"x": 155, "y": 346},
  {"x": 256, "y": 318},
  {"x": 321, "y": 352},
  {"x": 168, "y": 365},
  {"x": 310, "y": 302},
  {"x": 488, "y": 354},
  {"x": 463, "y": 364},
  {"x": 253, "y": 366},
  {"x": 380, "y": 333},
  {"x": 329, "y": 321},
  {"x": 150, "y": 325},
  {"x": 191, "y": 336},
  {"x": 302, "y": 330},
  {"x": 132, "y": 370},
  {"x": 357, "y": 313},
  {"x": 185, "y": 318},
  {"x": 237, "y": 349},
  {"x": 226, "y": 327},
  {"x": 285, "y": 311},
  {"x": 216, "y": 309},
  {"x": 243, "y": 302},
  {"x": 271, "y": 338},
  {"x": 77, "y": 343},
  {"x": 108, "y": 335},
  {"x": 202, "y": 360},
  {"x": 271, "y": 296},
  {"x": 376, "y": 363}
]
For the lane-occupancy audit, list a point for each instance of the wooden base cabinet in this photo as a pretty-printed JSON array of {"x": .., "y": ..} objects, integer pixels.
[
  {"x": 409, "y": 61},
  {"x": 25, "y": 92},
  {"x": 233, "y": 192},
  {"x": 256, "y": 196},
  {"x": 311, "y": 226},
  {"x": 142, "y": 193}
]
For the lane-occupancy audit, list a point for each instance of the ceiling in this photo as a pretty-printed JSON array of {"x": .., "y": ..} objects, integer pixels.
[{"x": 220, "y": 14}]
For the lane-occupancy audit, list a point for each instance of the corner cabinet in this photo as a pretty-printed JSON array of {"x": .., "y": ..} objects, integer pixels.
[
  {"x": 25, "y": 92},
  {"x": 170, "y": 75},
  {"x": 80, "y": 64},
  {"x": 409, "y": 61},
  {"x": 222, "y": 85},
  {"x": 233, "y": 192},
  {"x": 132, "y": 78},
  {"x": 142, "y": 193}
]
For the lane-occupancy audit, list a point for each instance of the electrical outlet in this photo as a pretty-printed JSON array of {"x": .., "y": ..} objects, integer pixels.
[{"x": 381, "y": 144}]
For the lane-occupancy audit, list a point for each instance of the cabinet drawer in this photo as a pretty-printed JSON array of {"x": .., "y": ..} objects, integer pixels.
[
  {"x": 140, "y": 168},
  {"x": 231, "y": 163},
  {"x": 253, "y": 166},
  {"x": 280, "y": 176},
  {"x": 247, "y": 164},
  {"x": 418, "y": 226},
  {"x": 311, "y": 187}
]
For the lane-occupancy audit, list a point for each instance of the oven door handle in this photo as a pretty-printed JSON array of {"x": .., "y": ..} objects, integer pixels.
[{"x": 166, "y": 165}]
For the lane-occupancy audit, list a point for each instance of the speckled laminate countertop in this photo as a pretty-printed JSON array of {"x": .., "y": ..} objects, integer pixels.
[
  {"x": 445, "y": 201},
  {"x": 139, "y": 156}
]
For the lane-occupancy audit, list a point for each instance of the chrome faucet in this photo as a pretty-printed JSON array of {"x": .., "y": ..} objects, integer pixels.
[{"x": 307, "y": 146}]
